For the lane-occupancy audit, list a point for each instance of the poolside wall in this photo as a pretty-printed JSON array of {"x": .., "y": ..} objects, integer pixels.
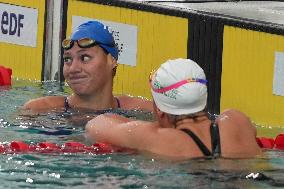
[
  {"x": 250, "y": 68},
  {"x": 20, "y": 51},
  {"x": 241, "y": 58}
]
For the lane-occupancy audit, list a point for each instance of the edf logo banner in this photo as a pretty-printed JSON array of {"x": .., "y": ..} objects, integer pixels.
[{"x": 18, "y": 25}]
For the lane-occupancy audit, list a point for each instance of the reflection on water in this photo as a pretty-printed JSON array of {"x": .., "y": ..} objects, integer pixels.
[{"x": 35, "y": 170}]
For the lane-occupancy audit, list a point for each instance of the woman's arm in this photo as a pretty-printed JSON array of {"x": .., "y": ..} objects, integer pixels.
[
  {"x": 44, "y": 104},
  {"x": 119, "y": 131}
]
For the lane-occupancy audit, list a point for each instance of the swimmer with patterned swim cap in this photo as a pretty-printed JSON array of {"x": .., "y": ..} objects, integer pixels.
[
  {"x": 90, "y": 62},
  {"x": 183, "y": 129}
]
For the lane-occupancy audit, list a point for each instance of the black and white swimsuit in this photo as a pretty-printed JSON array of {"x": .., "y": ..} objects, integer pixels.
[{"x": 215, "y": 141}]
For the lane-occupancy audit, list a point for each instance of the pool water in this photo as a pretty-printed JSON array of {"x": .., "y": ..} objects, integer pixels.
[{"x": 118, "y": 170}]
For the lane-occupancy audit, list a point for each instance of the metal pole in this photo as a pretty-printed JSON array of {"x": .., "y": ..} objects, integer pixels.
[{"x": 53, "y": 39}]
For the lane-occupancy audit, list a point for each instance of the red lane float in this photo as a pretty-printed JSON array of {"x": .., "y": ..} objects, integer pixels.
[
  {"x": 5, "y": 76},
  {"x": 264, "y": 142},
  {"x": 104, "y": 148},
  {"x": 279, "y": 142},
  {"x": 68, "y": 147},
  {"x": 270, "y": 143}
]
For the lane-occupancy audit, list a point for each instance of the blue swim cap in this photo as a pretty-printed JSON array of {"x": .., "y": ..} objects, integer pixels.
[{"x": 98, "y": 32}]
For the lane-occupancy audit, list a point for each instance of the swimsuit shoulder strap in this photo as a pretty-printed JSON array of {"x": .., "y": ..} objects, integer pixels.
[
  {"x": 66, "y": 104},
  {"x": 215, "y": 139},
  {"x": 198, "y": 142}
]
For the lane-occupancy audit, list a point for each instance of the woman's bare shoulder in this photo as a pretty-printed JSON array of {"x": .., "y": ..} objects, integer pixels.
[
  {"x": 234, "y": 117},
  {"x": 139, "y": 103},
  {"x": 234, "y": 113},
  {"x": 45, "y": 103}
]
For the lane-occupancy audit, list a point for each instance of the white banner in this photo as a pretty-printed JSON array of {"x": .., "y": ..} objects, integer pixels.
[
  {"x": 278, "y": 78},
  {"x": 18, "y": 25},
  {"x": 125, "y": 37}
]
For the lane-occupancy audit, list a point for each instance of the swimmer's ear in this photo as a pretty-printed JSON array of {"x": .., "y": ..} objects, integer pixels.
[
  {"x": 112, "y": 61},
  {"x": 160, "y": 113},
  {"x": 157, "y": 110}
]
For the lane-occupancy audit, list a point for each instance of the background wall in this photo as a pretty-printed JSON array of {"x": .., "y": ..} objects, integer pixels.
[
  {"x": 26, "y": 61},
  {"x": 247, "y": 74}
]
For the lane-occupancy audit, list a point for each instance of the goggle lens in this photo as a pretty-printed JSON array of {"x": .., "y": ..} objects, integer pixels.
[
  {"x": 67, "y": 44},
  {"x": 85, "y": 42}
]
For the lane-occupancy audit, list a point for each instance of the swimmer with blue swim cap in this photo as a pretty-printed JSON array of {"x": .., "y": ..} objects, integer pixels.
[{"x": 90, "y": 61}]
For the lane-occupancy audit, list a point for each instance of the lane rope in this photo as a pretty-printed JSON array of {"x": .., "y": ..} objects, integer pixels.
[
  {"x": 271, "y": 143},
  {"x": 68, "y": 147},
  {"x": 104, "y": 148}
]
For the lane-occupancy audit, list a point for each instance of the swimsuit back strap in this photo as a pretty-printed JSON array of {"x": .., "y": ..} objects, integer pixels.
[
  {"x": 215, "y": 139},
  {"x": 198, "y": 142},
  {"x": 117, "y": 101}
]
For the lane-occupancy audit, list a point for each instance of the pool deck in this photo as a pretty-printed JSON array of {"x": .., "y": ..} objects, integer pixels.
[{"x": 261, "y": 12}]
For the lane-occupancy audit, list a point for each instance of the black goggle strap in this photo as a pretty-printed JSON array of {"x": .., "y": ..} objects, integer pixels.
[{"x": 68, "y": 43}]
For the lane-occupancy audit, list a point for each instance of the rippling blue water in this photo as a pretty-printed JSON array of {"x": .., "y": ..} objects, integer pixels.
[{"x": 35, "y": 170}]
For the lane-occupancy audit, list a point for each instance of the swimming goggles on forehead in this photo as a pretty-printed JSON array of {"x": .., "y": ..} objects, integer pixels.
[
  {"x": 82, "y": 43},
  {"x": 175, "y": 85}
]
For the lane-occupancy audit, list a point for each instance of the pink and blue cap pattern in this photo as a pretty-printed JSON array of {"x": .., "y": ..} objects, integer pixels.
[{"x": 179, "y": 87}]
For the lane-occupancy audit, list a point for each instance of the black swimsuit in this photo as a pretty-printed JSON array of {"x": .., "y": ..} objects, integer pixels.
[
  {"x": 215, "y": 141},
  {"x": 67, "y": 106}
]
